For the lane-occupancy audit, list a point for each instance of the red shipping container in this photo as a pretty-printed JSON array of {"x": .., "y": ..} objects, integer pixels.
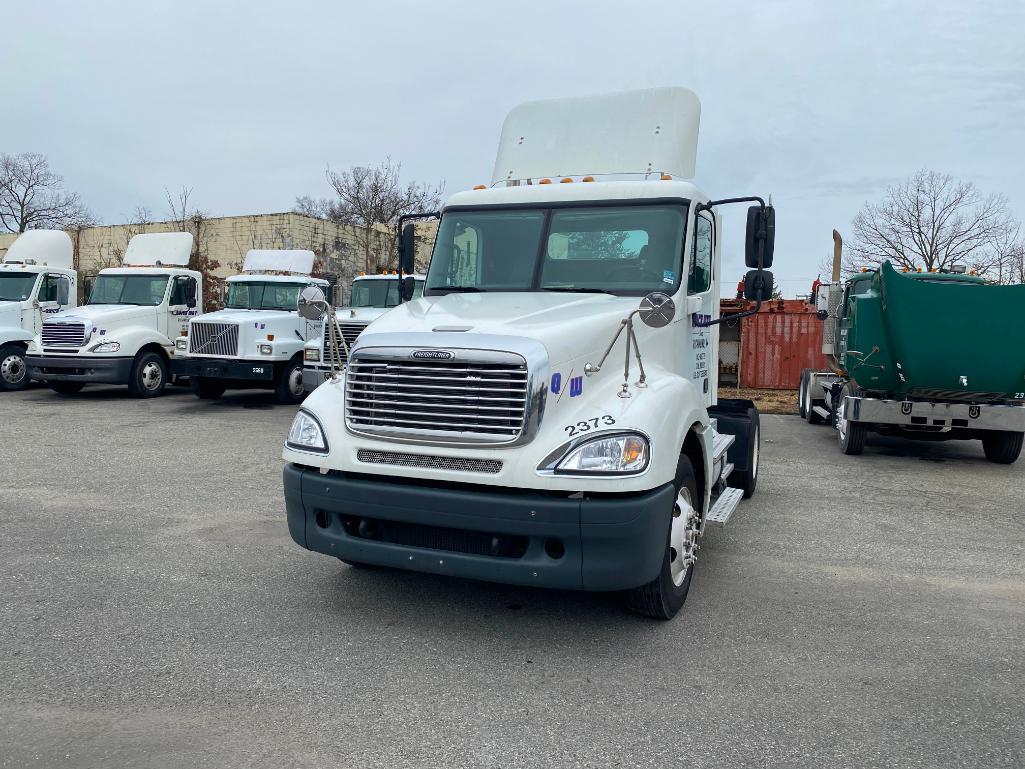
[{"x": 777, "y": 343}]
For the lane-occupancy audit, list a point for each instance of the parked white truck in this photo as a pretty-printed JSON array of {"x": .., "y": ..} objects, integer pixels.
[
  {"x": 37, "y": 280},
  {"x": 257, "y": 339},
  {"x": 370, "y": 298},
  {"x": 547, "y": 413},
  {"x": 124, "y": 332}
]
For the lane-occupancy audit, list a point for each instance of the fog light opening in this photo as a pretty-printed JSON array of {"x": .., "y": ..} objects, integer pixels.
[
  {"x": 321, "y": 518},
  {"x": 555, "y": 549}
]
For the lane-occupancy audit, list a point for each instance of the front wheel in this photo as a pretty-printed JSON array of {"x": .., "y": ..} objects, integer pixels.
[
  {"x": 13, "y": 371},
  {"x": 801, "y": 393},
  {"x": 1002, "y": 447},
  {"x": 850, "y": 435},
  {"x": 149, "y": 375},
  {"x": 665, "y": 595},
  {"x": 207, "y": 389},
  {"x": 66, "y": 388},
  {"x": 289, "y": 387}
]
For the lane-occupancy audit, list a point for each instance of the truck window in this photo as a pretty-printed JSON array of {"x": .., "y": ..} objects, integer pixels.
[
  {"x": 16, "y": 287},
  {"x": 147, "y": 290},
  {"x": 375, "y": 293},
  {"x": 49, "y": 289},
  {"x": 486, "y": 251},
  {"x": 699, "y": 279},
  {"x": 263, "y": 295},
  {"x": 180, "y": 291}
]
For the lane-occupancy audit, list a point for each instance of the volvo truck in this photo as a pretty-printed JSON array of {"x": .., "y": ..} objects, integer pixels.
[
  {"x": 37, "y": 281},
  {"x": 257, "y": 340},
  {"x": 547, "y": 413},
  {"x": 125, "y": 332}
]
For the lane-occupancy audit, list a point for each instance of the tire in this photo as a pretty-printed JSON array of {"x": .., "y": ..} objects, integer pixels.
[
  {"x": 207, "y": 389},
  {"x": 851, "y": 435},
  {"x": 747, "y": 480},
  {"x": 801, "y": 389},
  {"x": 1002, "y": 447},
  {"x": 809, "y": 402},
  {"x": 13, "y": 370},
  {"x": 66, "y": 388},
  {"x": 149, "y": 375},
  {"x": 289, "y": 387},
  {"x": 665, "y": 595}
]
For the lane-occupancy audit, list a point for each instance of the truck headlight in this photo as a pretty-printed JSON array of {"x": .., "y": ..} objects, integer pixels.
[
  {"x": 181, "y": 344},
  {"x": 623, "y": 454},
  {"x": 313, "y": 354},
  {"x": 106, "y": 347},
  {"x": 266, "y": 349},
  {"x": 306, "y": 434}
]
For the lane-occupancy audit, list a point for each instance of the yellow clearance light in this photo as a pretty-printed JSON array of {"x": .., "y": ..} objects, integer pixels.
[
  {"x": 587, "y": 179},
  {"x": 864, "y": 269},
  {"x": 666, "y": 178},
  {"x": 567, "y": 180},
  {"x": 270, "y": 337},
  {"x": 361, "y": 274},
  {"x": 480, "y": 186},
  {"x": 545, "y": 181}
]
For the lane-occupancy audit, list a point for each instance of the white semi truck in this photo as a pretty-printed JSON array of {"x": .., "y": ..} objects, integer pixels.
[
  {"x": 371, "y": 297},
  {"x": 37, "y": 280},
  {"x": 257, "y": 340},
  {"x": 124, "y": 333},
  {"x": 547, "y": 413}
]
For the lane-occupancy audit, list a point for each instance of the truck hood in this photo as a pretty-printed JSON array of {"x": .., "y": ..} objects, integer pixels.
[
  {"x": 250, "y": 317},
  {"x": 106, "y": 314},
  {"x": 568, "y": 325},
  {"x": 10, "y": 314}
]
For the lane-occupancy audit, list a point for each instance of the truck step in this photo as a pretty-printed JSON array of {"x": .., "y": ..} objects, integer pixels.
[
  {"x": 726, "y": 470},
  {"x": 822, "y": 412},
  {"x": 714, "y": 423},
  {"x": 720, "y": 444},
  {"x": 724, "y": 506}
]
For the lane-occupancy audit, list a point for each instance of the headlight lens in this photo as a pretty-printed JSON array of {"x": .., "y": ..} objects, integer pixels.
[
  {"x": 620, "y": 454},
  {"x": 107, "y": 347},
  {"x": 313, "y": 354},
  {"x": 306, "y": 433},
  {"x": 266, "y": 349},
  {"x": 181, "y": 344}
]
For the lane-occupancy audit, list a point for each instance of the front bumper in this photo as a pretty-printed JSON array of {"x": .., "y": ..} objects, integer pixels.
[
  {"x": 499, "y": 536},
  {"x": 314, "y": 376},
  {"x": 943, "y": 415},
  {"x": 79, "y": 368},
  {"x": 223, "y": 368}
]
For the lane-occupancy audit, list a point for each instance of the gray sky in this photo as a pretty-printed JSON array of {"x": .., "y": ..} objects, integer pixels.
[{"x": 819, "y": 103}]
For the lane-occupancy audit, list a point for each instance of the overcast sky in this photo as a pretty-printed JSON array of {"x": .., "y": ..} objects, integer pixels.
[{"x": 819, "y": 103}]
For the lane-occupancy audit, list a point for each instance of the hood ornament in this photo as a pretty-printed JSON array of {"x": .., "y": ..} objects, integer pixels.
[{"x": 656, "y": 311}]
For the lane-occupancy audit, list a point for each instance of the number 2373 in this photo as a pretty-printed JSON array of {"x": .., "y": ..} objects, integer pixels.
[{"x": 589, "y": 424}]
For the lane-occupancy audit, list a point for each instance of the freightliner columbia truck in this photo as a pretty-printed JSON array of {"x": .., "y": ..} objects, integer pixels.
[
  {"x": 257, "y": 340},
  {"x": 124, "y": 333},
  {"x": 918, "y": 355},
  {"x": 371, "y": 297},
  {"x": 547, "y": 413},
  {"x": 37, "y": 280}
]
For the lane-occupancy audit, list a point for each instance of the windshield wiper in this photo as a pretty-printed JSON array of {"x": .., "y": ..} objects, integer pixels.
[{"x": 575, "y": 290}]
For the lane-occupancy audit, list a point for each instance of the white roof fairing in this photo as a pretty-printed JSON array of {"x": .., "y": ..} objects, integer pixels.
[
  {"x": 297, "y": 261},
  {"x": 50, "y": 248},
  {"x": 631, "y": 132},
  {"x": 169, "y": 249}
]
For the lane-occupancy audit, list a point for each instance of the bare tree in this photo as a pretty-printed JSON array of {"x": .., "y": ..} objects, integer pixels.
[
  {"x": 188, "y": 218},
  {"x": 931, "y": 221},
  {"x": 32, "y": 196},
  {"x": 371, "y": 199}
]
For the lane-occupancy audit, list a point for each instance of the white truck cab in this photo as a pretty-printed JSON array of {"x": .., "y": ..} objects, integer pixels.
[
  {"x": 370, "y": 298},
  {"x": 257, "y": 339},
  {"x": 123, "y": 334},
  {"x": 37, "y": 280},
  {"x": 547, "y": 413}
]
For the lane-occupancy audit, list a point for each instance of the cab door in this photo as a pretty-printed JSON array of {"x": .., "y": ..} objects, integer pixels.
[
  {"x": 51, "y": 297},
  {"x": 701, "y": 359}
]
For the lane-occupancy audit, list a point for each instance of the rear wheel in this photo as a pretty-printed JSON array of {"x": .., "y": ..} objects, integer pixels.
[
  {"x": 208, "y": 389},
  {"x": 1002, "y": 447},
  {"x": 289, "y": 387},
  {"x": 149, "y": 375},
  {"x": 13, "y": 371},
  {"x": 809, "y": 401},
  {"x": 851, "y": 435},
  {"x": 665, "y": 595},
  {"x": 67, "y": 388}
]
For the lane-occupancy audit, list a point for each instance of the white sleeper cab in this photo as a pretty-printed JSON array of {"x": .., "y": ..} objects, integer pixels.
[
  {"x": 547, "y": 413},
  {"x": 370, "y": 298},
  {"x": 37, "y": 281},
  {"x": 257, "y": 340},
  {"x": 124, "y": 333}
]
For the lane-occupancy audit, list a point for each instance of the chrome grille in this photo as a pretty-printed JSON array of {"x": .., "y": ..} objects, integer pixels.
[
  {"x": 349, "y": 332},
  {"x": 58, "y": 334},
  {"x": 429, "y": 461},
  {"x": 213, "y": 338},
  {"x": 478, "y": 396}
]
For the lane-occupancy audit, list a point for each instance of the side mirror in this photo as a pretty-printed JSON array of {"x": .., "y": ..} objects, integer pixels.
[
  {"x": 190, "y": 292},
  {"x": 87, "y": 288},
  {"x": 312, "y": 303},
  {"x": 408, "y": 288},
  {"x": 761, "y": 234},
  {"x": 407, "y": 249},
  {"x": 63, "y": 290},
  {"x": 758, "y": 286}
]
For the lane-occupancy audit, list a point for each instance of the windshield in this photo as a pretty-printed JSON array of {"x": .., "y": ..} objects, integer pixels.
[
  {"x": 145, "y": 290},
  {"x": 627, "y": 251},
  {"x": 246, "y": 295},
  {"x": 16, "y": 287},
  {"x": 379, "y": 293}
]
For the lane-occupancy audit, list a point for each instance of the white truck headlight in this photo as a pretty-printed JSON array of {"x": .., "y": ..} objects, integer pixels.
[
  {"x": 623, "y": 454},
  {"x": 313, "y": 354},
  {"x": 106, "y": 347},
  {"x": 181, "y": 344},
  {"x": 266, "y": 349},
  {"x": 306, "y": 434}
]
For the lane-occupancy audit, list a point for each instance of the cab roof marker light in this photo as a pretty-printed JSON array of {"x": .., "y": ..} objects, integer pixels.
[
  {"x": 587, "y": 179},
  {"x": 480, "y": 186},
  {"x": 566, "y": 180},
  {"x": 666, "y": 177},
  {"x": 545, "y": 181}
]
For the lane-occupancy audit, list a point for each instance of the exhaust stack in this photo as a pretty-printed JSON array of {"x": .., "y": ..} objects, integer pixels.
[{"x": 837, "y": 253}]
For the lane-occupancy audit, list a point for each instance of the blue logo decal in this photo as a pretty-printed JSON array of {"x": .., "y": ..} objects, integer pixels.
[
  {"x": 556, "y": 383},
  {"x": 576, "y": 386}
]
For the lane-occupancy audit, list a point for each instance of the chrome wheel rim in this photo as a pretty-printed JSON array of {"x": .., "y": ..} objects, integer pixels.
[
  {"x": 12, "y": 369},
  {"x": 841, "y": 420},
  {"x": 683, "y": 537},
  {"x": 295, "y": 382},
  {"x": 152, "y": 376},
  {"x": 754, "y": 455}
]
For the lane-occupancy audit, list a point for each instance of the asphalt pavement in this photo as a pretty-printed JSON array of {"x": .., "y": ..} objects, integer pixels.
[{"x": 857, "y": 612}]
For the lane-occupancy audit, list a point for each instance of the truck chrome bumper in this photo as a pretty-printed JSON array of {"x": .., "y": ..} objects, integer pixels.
[
  {"x": 517, "y": 538},
  {"x": 223, "y": 368},
  {"x": 79, "y": 368},
  {"x": 943, "y": 415}
]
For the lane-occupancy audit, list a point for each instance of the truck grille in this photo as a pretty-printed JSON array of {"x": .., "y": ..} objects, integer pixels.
[
  {"x": 349, "y": 332},
  {"x": 476, "y": 401},
  {"x": 63, "y": 334},
  {"x": 213, "y": 339}
]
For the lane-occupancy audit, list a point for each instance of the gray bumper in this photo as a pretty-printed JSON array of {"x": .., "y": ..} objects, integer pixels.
[
  {"x": 223, "y": 368},
  {"x": 499, "y": 536},
  {"x": 942, "y": 415},
  {"x": 79, "y": 368},
  {"x": 313, "y": 377}
]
